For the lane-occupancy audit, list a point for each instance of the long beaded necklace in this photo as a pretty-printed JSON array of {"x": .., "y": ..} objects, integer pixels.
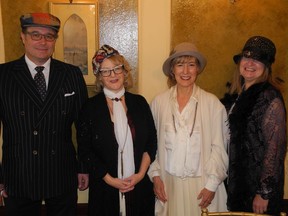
[
  {"x": 126, "y": 134},
  {"x": 194, "y": 119}
]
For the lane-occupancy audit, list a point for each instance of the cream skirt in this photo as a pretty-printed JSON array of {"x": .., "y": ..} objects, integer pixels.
[{"x": 182, "y": 196}]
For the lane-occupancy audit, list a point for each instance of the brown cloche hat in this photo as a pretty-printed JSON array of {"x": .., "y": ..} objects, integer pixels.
[
  {"x": 259, "y": 48},
  {"x": 183, "y": 49},
  {"x": 40, "y": 20}
]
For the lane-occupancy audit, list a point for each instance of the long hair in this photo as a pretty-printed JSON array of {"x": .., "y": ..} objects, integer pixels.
[
  {"x": 117, "y": 60},
  {"x": 238, "y": 81}
]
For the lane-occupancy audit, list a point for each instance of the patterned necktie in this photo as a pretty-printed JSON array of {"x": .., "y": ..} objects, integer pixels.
[{"x": 40, "y": 82}]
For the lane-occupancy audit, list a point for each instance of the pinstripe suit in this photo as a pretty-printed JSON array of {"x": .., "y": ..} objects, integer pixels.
[{"x": 39, "y": 159}]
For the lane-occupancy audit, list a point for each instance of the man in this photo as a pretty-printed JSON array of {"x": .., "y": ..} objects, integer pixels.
[{"x": 39, "y": 160}]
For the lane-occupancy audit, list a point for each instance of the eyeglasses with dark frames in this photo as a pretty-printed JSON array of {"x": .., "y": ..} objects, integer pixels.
[
  {"x": 37, "y": 36},
  {"x": 107, "y": 72}
]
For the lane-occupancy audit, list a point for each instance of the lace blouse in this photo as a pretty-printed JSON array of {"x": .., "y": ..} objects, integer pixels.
[{"x": 257, "y": 148}]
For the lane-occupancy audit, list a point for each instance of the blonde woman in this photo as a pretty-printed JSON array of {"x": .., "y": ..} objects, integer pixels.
[
  {"x": 117, "y": 141},
  {"x": 191, "y": 161}
]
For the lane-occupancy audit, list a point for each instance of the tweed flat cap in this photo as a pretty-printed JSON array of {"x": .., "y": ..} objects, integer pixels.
[{"x": 40, "y": 20}]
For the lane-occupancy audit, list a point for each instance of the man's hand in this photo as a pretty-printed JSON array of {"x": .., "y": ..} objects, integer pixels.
[
  {"x": 3, "y": 192},
  {"x": 83, "y": 181}
]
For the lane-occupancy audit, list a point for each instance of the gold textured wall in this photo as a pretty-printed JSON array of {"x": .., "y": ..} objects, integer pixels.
[
  {"x": 220, "y": 28},
  {"x": 11, "y": 12}
]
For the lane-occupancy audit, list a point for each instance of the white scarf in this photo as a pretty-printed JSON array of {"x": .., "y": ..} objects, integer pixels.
[
  {"x": 126, "y": 166},
  {"x": 123, "y": 135}
]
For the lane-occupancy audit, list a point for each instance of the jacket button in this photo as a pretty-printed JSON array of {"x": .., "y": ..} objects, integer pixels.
[
  {"x": 35, "y": 152},
  {"x": 35, "y": 132}
]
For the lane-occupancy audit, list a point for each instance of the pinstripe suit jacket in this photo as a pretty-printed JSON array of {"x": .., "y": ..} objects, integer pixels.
[{"x": 39, "y": 160}]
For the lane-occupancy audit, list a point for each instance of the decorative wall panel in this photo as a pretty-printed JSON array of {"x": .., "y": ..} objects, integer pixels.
[{"x": 118, "y": 27}]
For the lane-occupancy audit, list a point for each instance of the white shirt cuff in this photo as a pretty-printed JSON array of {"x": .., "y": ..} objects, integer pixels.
[{"x": 212, "y": 183}]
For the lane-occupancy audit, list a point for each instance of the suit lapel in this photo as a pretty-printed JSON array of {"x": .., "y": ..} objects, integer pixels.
[
  {"x": 24, "y": 79},
  {"x": 56, "y": 79}
]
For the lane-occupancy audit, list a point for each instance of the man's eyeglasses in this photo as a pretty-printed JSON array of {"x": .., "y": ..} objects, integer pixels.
[
  {"x": 107, "y": 72},
  {"x": 37, "y": 36}
]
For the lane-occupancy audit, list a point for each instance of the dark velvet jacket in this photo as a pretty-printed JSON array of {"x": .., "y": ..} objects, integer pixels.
[
  {"x": 257, "y": 148},
  {"x": 98, "y": 148}
]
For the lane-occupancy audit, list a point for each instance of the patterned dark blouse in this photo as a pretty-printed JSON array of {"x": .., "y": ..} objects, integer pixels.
[{"x": 257, "y": 148}]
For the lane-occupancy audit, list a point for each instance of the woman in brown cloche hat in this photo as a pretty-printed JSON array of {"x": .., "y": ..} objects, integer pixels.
[
  {"x": 191, "y": 161},
  {"x": 258, "y": 132},
  {"x": 117, "y": 139}
]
